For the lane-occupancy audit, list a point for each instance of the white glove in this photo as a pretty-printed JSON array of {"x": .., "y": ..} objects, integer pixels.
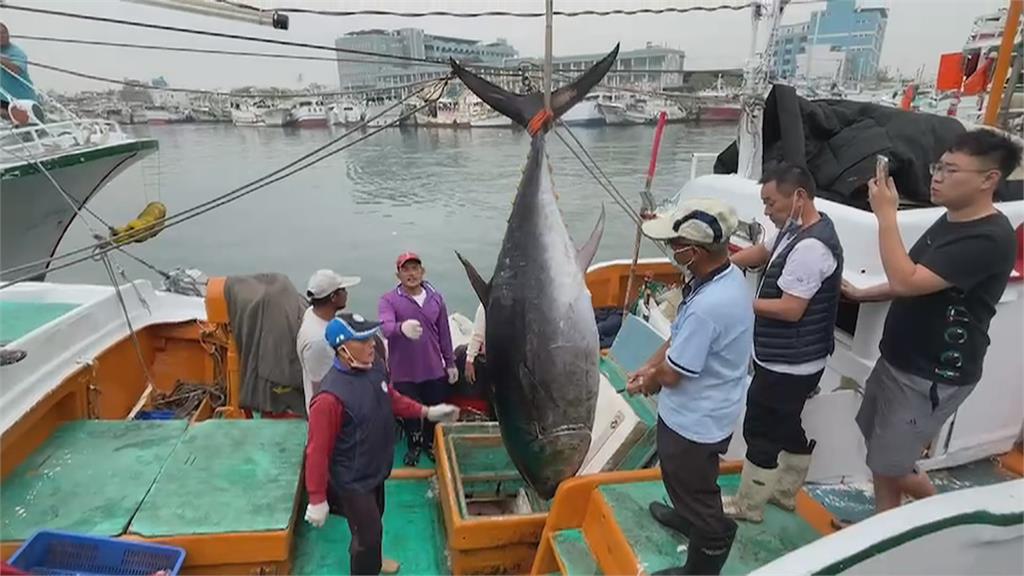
[
  {"x": 453, "y": 375},
  {"x": 442, "y": 413},
  {"x": 412, "y": 329},
  {"x": 316, "y": 514}
]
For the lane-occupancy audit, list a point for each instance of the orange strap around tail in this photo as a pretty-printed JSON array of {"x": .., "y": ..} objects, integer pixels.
[{"x": 539, "y": 121}]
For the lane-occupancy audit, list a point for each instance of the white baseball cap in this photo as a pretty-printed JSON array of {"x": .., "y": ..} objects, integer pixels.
[
  {"x": 324, "y": 282},
  {"x": 699, "y": 220}
]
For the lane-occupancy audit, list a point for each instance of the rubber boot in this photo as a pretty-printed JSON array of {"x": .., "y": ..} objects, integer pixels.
[
  {"x": 668, "y": 517},
  {"x": 412, "y": 456},
  {"x": 702, "y": 557},
  {"x": 756, "y": 486},
  {"x": 792, "y": 473}
]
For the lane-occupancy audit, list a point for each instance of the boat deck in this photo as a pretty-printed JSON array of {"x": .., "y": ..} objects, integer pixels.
[
  {"x": 19, "y": 318},
  {"x": 413, "y": 534},
  {"x": 855, "y": 501},
  {"x": 657, "y": 547}
]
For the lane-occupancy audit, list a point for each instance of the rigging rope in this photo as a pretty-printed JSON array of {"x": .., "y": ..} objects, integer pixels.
[
  {"x": 495, "y": 13},
  {"x": 100, "y": 248},
  {"x": 220, "y": 93},
  {"x": 226, "y": 35}
]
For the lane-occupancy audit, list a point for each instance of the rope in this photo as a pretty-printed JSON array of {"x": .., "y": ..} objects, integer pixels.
[
  {"x": 127, "y": 319},
  {"x": 496, "y": 70},
  {"x": 100, "y": 248},
  {"x": 212, "y": 34},
  {"x": 238, "y": 189},
  {"x": 495, "y": 13},
  {"x": 215, "y": 92}
]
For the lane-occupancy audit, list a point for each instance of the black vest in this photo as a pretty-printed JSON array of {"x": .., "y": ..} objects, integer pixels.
[
  {"x": 812, "y": 336},
  {"x": 365, "y": 447}
]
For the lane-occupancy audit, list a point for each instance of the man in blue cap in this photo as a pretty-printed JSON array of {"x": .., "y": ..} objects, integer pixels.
[{"x": 351, "y": 440}]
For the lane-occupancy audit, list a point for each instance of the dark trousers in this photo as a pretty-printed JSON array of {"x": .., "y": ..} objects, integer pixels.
[
  {"x": 773, "y": 423},
  {"x": 364, "y": 511},
  {"x": 690, "y": 473},
  {"x": 419, "y": 432}
]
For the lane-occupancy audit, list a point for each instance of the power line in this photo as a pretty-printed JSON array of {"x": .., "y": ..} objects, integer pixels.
[
  {"x": 497, "y": 13},
  {"x": 226, "y": 35}
]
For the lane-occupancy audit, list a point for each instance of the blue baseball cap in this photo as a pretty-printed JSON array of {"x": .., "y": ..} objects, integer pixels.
[{"x": 348, "y": 326}]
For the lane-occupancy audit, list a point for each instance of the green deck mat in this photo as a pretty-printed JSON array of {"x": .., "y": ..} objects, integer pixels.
[
  {"x": 856, "y": 502},
  {"x": 19, "y": 318},
  {"x": 413, "y": 534},
  {"x": 88, "y": 477},
  {"x": 657, "y": 547},
  {"x": 575, "y": 553},
  {"x": 227, "y": 476}
]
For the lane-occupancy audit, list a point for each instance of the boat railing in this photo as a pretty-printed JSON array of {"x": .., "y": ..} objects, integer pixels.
[{"x": 58, "y": 136}]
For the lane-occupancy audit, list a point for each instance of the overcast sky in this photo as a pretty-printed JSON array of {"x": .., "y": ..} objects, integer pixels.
[{"x": 918, "y": 32}]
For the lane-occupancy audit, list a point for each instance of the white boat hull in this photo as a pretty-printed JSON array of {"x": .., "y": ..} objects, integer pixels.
[{"x": 34, "y": 215}]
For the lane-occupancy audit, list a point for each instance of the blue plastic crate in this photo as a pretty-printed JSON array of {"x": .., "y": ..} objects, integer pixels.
[{"x": 52, "y": 552}]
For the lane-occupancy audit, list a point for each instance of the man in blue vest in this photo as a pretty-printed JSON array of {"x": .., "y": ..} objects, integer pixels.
[
  {"x": 701, "y": 374},
  {"x": 351, "y": 440},
  {"x": 795, "y": 312}
]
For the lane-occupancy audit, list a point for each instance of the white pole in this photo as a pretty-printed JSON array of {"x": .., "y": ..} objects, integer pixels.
[{"x": 548, "y": 17}]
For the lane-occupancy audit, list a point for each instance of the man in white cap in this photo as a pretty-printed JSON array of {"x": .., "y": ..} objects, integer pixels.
[
  {"x": 701, "y": 374},
  {"x": 328, "y": 294}
]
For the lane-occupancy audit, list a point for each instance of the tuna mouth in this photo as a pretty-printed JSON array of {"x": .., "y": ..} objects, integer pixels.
[{"x": 555, "y": 456}]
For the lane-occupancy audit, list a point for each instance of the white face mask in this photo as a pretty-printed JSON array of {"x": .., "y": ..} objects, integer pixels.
[
  {"x": 684, "y": 268},
  {"x": 351, "y": 361},
  {"x": 795, "y": 219}
]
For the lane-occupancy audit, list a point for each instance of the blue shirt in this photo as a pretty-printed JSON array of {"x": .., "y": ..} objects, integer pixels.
[
  {"x": 10, "y": 83},
  {"x": 711, "y": 343}
]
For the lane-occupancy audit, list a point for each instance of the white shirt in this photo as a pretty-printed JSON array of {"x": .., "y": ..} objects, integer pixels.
[
  {"x": 476, "y": 339},
  {"x": 421, "y": 297},
  {"x": 315, "y": 355},
  {"x": 808, "y": 265}
]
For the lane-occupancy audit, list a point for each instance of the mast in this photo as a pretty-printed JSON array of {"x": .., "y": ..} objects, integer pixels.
[
  {"x": 755, "y": 85},
  {"x": 548, "y": 17},
  {"x": 995, "y": 98}
]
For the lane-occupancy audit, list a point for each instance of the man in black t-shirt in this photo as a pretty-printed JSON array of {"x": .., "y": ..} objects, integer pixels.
[{"x": 944, "y": 295}]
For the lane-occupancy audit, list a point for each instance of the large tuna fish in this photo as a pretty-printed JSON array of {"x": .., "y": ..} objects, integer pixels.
[{"x": 542, "y": 342}]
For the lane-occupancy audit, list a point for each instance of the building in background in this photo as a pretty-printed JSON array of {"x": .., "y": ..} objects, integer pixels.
[
  {"x": 653, "y": 66},
  {"x": 357, "y": 72},
  {"x": 842, "y": 42}
]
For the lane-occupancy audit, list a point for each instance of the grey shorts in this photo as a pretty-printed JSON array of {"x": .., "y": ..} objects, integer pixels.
[{"x": 901, "y": 414}]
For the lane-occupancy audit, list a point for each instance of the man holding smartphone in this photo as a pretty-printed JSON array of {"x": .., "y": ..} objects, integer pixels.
[
  {"x": 795, "y": 313},
  {"x": 944, "y": 294}
]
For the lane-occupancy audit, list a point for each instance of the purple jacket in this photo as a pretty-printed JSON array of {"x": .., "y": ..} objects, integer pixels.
[{"x": 416, "y": 360}]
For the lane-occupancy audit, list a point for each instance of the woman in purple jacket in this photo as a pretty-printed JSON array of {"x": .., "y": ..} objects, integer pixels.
[{"x": 414, "y": 319}]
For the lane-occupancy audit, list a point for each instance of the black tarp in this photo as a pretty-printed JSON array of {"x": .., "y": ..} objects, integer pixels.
[{"x": 838, "y": 140}]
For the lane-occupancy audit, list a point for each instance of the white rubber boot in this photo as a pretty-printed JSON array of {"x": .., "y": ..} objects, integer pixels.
[
  {"x": 792, "y": 473},
  {"x": 756, "y": 486}
]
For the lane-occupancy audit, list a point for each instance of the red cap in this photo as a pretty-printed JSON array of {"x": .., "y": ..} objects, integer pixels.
[{"x": 406, "y": 257}]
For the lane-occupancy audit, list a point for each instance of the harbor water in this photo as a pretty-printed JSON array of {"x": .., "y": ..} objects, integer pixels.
[{"x": 431, "y": 191}]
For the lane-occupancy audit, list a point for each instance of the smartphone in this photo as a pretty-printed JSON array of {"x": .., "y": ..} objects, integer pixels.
[{"x": 882, "y": 167}]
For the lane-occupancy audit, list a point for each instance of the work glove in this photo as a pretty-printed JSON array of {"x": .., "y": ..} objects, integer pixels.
[
  {"x": 412, "y": 329},
  {"x": 453, "y": 375},
  {"x": 442, "y": 413},
  {"x": 316, "y": 514}
]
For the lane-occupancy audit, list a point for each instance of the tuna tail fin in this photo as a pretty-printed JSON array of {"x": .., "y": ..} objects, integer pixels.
[
  {"x": 586, "y": 253},
  {"x": 481, "y": 287},
  {"x": 523, "y": 108}
]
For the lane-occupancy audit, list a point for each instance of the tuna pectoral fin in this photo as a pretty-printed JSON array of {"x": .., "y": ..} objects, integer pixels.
[
  {"x": 522, "y": 108},
  {"x": 587, "y": 252},
  {"x": 482, "y": 288}
]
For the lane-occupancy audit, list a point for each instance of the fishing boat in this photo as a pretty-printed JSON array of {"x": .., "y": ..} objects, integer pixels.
[
  {"x": 83, "y": 155},
  {"x": 129, "y": 416},
  {"x": 585, "y": 113},
  {"x": 308, "y": 113},
  {"x": 346, "y": 113}
]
